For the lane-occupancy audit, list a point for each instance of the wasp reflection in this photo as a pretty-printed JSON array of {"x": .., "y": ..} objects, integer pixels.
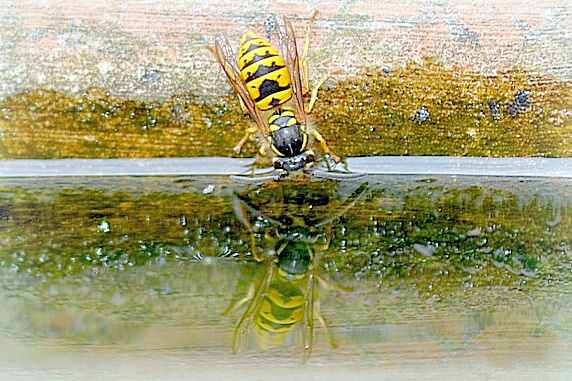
[{"x": 289, "y": 226}]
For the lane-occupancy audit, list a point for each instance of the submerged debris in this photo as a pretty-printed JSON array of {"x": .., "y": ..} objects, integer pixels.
[{"x": 209, "y": 189}]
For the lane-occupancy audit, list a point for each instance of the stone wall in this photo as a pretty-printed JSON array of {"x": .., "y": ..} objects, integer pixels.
[{"x": 153, "y": 49}]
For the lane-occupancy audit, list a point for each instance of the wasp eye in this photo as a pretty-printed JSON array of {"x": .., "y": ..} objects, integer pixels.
[
  {"x": 310, "y": 159},
  {"x": 277, "y": 165}
]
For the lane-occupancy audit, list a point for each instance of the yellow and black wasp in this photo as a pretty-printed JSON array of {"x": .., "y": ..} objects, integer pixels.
[
  {"x": 271, "y": 84},
  {"x": 284, "y": 299}
]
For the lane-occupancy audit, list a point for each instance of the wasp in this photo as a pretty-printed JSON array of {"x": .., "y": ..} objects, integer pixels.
[
  {"x": 271, "y": 84},
  {"x": 285, "y": 298}
]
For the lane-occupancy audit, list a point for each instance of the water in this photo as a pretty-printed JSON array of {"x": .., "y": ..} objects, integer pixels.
[{"x": 441, "y": 276}]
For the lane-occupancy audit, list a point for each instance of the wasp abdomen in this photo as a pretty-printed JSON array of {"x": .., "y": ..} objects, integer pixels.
[{"x": 264, "y": 72}]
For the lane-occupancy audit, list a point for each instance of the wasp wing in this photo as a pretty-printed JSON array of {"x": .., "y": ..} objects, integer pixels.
[
  {"x": 227, "y": 59},
  {"x": 289, "y": 50}
]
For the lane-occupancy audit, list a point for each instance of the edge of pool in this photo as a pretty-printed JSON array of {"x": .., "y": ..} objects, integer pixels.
[{"x": 380, "y": 165}]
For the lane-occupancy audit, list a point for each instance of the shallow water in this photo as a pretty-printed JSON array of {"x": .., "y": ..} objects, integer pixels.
[{"x": 452, "y": 277}]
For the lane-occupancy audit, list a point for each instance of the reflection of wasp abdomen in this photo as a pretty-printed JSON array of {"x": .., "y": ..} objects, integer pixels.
[
  {"x": 280, "y": 312},
  {"x": 283, "y": 301},
  {"x": 282, "y": 308}
]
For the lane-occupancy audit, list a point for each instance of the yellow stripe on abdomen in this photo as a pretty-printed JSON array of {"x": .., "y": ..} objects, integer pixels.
[{"x": 264, "y": 72}]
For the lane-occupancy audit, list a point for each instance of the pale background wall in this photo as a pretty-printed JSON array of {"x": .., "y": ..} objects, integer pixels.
[{"x": 152, "y": 49}]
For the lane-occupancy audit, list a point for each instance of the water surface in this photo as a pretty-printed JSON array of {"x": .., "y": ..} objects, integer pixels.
[{"x": 423, "y": 276}]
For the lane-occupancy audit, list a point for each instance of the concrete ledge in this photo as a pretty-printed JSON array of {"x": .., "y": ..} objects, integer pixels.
[{"x": 394, "y": 165}]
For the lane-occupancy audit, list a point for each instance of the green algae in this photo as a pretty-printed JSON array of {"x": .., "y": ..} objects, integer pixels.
[
  {"x": 419, "y": 109},
  {"x": 464, "y": 114},
  {"x": 437, "y": 233}
]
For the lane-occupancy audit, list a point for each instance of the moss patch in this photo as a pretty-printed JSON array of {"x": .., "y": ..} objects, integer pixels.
[{"x": 420, "y": 109}]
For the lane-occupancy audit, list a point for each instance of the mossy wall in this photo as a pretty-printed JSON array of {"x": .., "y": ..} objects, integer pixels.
[{"x": 99, "y": 80}]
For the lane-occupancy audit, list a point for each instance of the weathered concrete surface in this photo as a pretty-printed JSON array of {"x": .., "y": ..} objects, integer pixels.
[
  {"x": 505, "y": 167},
  {"x": 154, "y": 49}
]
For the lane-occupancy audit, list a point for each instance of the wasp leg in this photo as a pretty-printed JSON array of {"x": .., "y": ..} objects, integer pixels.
[
  {"x": 256, "y": 181},
  {"x": 329, "y": 286},
  {"x": 243, "y": 106},
  {"x": 317, "y": 306},
  {"x": 318, "y": 315},
  {"x": 316, "y": 135},
  {"x": 314, "y": 96},
  {"x": 249, "y": 131},
  {"x": 304, "y": 68},
  {"x": 240, "y": 211},
  {"x": 304, "y": 57},
  {"x": 235, "y": 306},
  {"x": 265, "y": 146},
  {"x": 255, "y": 296},
  {"x": 334, "y": 175}
]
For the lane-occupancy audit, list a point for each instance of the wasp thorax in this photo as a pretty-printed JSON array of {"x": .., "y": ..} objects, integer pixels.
[
  {"x": 294, "y": 257},
  {"x": 288, "y": 138},
  {"x": 264, "y": 72}
]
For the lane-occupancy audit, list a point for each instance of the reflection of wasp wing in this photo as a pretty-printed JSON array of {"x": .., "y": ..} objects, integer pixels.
[
  {"x": 227, "y": 59},
  {"x": 244, "y": 326},
  {"x": 336, "y": 175},
  {"x": 241, "y": 204},
  {"x": 243, "y": 201},
  {"x": 288, "y": 46},
  {"x": 350, "y": 202}
]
